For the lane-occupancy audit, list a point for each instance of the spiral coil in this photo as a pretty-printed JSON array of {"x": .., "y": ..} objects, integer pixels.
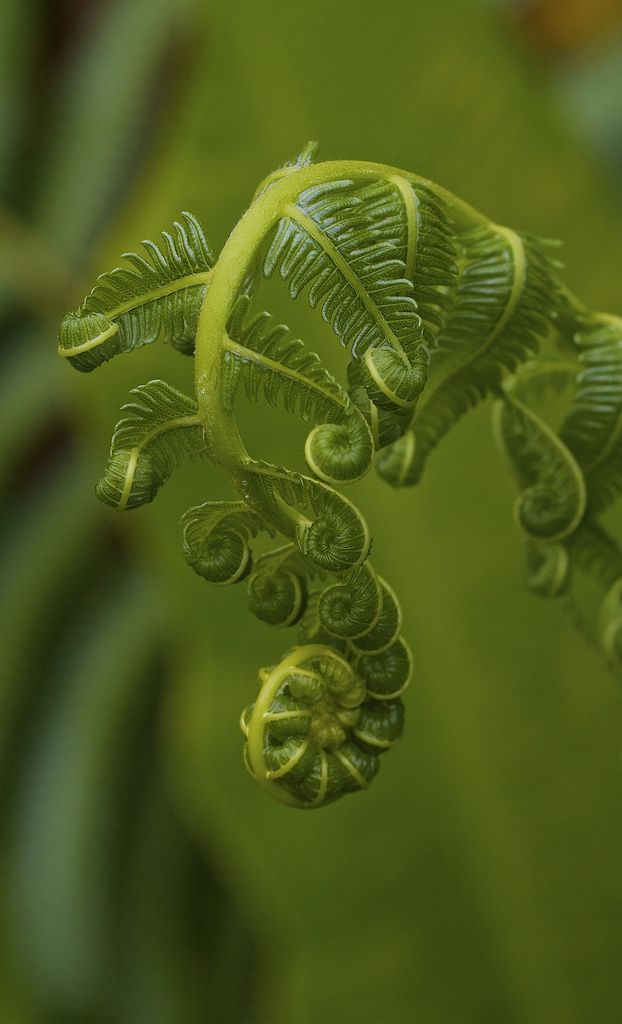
[{"x": 315, "y": 732}]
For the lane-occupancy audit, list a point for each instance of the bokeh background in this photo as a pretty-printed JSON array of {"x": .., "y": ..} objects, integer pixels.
[{"x": 144, "y": 879}]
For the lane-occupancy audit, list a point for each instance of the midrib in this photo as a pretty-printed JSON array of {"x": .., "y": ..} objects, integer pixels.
[
  {"x": 191, "y": 281},
  {"x": 296, "y": 214},
  {"x": 249, "y": 355},
  {"x": 130, "y": 473}
]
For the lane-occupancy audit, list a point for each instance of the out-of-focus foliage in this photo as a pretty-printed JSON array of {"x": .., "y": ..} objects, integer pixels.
[
  {"x": 144, "y": 877},
  {"x": 582, "y": 47},
  {"x": 566, "y": 26}
]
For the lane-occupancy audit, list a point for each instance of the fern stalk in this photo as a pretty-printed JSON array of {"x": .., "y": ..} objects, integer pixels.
[{"x": 438, "y": 307}]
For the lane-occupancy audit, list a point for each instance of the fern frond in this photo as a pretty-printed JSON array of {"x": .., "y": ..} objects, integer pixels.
[
  {"x": 158, "y": 296},
  {"x": 502, "y": 303},
  {"x": 327, "y": 528},
  {"x": 540, "y": 379},
  {"x": 160, "y": 428},
  {"x": 352, "y": 609},
  {"x": 438, "y": 307},
  {"x": 341, "y": 242},
  {"x": 595, "y": 554},
  {"x": 386, "y": 425},
  {"x": 593, "y": 427},
  {"x": 552, "y": 502},
  {"x": 278, "y": 586},
  {"x": 548, "y": 567},
  {"x": 269, "y": 360},
  {"x": 429, "y": 253},
  {"x": 216, "y": 538},
  {"x": 593, "y": 600}
]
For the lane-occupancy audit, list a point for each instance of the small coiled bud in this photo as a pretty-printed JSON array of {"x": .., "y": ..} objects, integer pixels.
[
  {"x": 350, "y": 610},
  {"x": 386, "y": 630},
  {"x": 543, "y": 514},
  {"x": 338, "y": 539},
  {"x": 553, "y": 498},
  {"x": 222, "y": 558},
  {"x": 87, "y": 340},
  {"x": 548, "y": 566},
  {"x": 386, "y": 425},
  {"x": 393, "y": 380},
  {"x": 380, "y": 725},
  {"x": 311, "y": 630},
  {"x": 276, "y": 595},
  {"x": 397, "y": 464},
  {"x": 386, "y": 675},
  {"x": 129, "y": 481},
  {"x": 315, "y": 733},
  {"x": 216, "y": 541},
  {"x": 340, "y": 452}
]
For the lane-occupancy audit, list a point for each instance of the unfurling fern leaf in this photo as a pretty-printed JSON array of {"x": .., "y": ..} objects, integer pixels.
[
  {"x": 503, "y": 298},
  {"x": 593, "y": 428},
  {"x": 341, "y": 242},
  {"x": 277, "y": 587},
  {"x": 437, "y": 306},
  {"x": 314, "y": 732},
  {"x": 265, "y": 356},
  {"x": 216, "y": 540},
  {"x": 552, "y": 502},
  {"x": 158, "y": 296},
  {"x": 162, "y": 425},
  {"x": 327, "y": 528}
]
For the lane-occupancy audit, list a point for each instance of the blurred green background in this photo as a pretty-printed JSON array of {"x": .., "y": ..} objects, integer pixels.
[{"x": 144, "y": 878}]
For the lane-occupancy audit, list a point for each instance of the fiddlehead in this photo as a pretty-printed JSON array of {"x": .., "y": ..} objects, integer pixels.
[
  {"x": 438, "y": 307},
  {"x": 340, "y": 453},
  {"x": 160, "y": 427},
  {"x": 216, "y": 540},
  {"x": 340, "y": 447},
  {"x": 159, "y": 297},
  {"x": 277, "y": 588},
  {"x": 552, "y": 501},
  {"x": 315, "y": 732},
  {"x": 593, "y": 427},
  {"x": 351, "y": 609},
  {"x": 548, "y": 568}
]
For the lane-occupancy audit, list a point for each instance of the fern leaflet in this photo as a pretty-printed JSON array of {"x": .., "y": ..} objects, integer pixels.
[{"x": 158, "y": 296}]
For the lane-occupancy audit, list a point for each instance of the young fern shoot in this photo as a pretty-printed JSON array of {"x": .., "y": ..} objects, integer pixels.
[{"x": 438, "y": 307}]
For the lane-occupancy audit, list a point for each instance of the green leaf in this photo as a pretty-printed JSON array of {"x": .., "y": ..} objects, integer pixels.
[
  {"x": 265, "y": 354},
  {"x": 431, "y": 254},
  {"x": 216, "y": 540},
  {"x": 162, "y": 426},
  {"x": 504, "y": 297},
  {"x": 342, "y": 241},
  {"x": 328, "y": 528},
  {"x": 593, "y": 427},
  {"x": 552, "y": 502},
  {"x": 158, "y": 297}
]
